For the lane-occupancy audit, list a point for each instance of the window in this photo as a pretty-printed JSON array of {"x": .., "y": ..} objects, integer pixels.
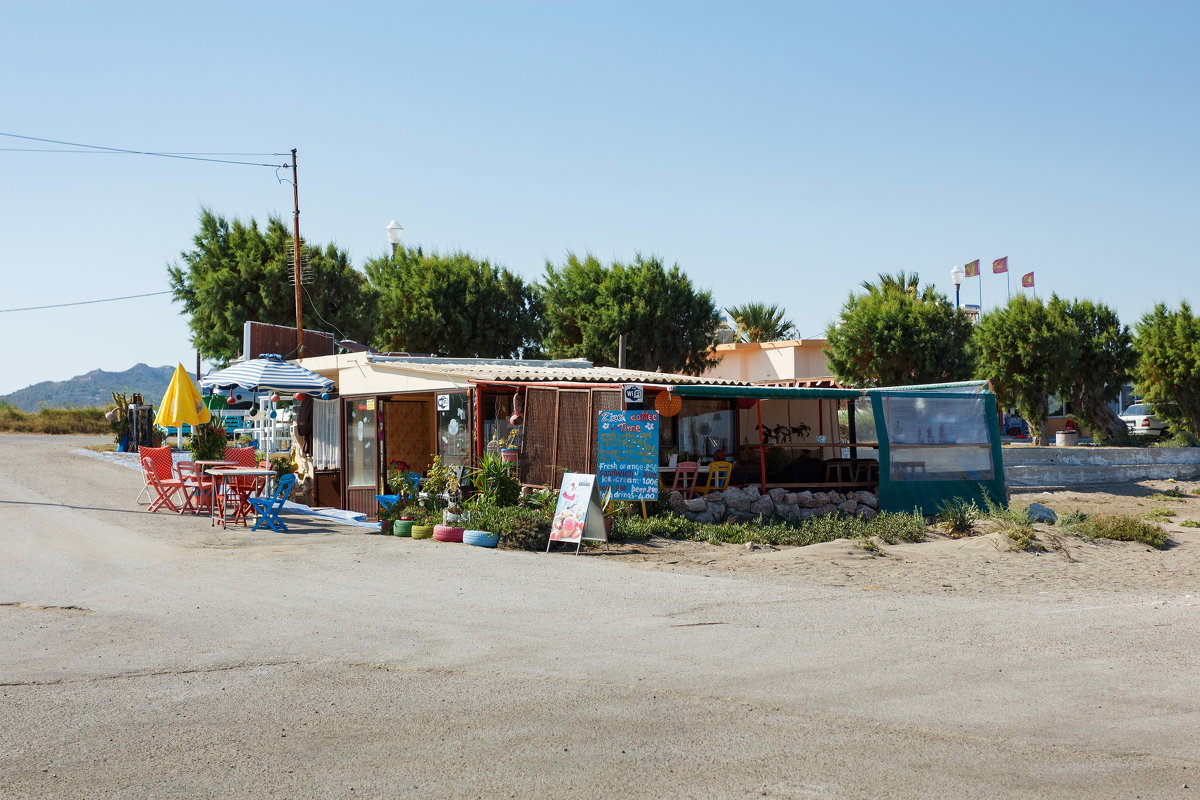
[
  {"x": 938, "y": 438},
  {"x": 699, "y": 430},
  {"x": 361, "y": 452}
]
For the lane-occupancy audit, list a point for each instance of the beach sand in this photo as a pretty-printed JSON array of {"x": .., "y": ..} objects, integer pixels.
[{"x": 1070, "y": 569}]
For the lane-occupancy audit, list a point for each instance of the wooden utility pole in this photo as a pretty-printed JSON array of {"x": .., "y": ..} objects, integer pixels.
[{"x": 297, "y": 273}]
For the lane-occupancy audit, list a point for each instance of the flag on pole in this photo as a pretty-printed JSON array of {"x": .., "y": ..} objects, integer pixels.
[
  {"x": 972, "y": 269},
  {"x": 1000, "y": 265},
  {"x": 1027, "y": 280}
]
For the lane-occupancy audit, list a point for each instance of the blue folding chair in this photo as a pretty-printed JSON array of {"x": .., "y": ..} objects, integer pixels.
[{"x": 268, "y": 508}]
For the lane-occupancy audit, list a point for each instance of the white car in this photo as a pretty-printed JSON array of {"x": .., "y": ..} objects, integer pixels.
[{"x": 1140, "y": 419}]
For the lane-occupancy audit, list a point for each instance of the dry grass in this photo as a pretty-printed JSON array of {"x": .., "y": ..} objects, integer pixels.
[{"x": 53, "y": 420}]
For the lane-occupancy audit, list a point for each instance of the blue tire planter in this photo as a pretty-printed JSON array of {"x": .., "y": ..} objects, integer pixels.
[{"x": 481, "y": 538}]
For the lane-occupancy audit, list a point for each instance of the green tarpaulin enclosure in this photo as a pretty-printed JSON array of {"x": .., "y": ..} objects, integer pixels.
[{"x": 934, "y": 442}]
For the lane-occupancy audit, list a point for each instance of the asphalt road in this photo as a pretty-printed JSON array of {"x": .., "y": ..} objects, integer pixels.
[{"x": 151, "y": 656}]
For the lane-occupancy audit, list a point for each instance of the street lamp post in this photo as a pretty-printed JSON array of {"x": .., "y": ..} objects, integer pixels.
[
  {"x": 394, "y": 234},
  {"x": 956, "y": 275}
]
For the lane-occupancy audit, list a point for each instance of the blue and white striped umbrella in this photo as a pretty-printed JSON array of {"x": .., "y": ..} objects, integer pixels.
[{"x": 268, "y": 371}]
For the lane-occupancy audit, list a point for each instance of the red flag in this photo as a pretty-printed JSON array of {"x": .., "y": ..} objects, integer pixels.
[
  {"x": 1027, "y": 280},
  {"x": 972, "y": 269},
  {"x": 1000, "y": 265}
]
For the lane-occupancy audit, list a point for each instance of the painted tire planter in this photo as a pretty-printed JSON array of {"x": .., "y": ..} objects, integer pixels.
[
  {"x": 421, "y": 531},
  {"x": 448, "y": 533},
  {"x": 402, "y": 527},
  {"x": 481, "y": 538}
]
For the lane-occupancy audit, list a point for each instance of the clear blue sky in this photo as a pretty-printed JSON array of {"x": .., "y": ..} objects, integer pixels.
[{"x": 779, "y": 152}]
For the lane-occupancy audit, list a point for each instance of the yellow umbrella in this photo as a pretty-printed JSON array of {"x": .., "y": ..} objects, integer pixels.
[{"x": 182, "y": 404}]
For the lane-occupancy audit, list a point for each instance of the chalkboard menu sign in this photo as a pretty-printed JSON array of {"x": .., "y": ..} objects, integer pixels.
[{"x": 627, "y": 454}]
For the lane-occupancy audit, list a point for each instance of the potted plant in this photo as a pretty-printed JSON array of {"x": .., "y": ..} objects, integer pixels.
[
  {"x": 510, "y": 446},
  {"x": 388, "y": 517},
  {"x": 422, "y": 525},
  {"x": 282, "y": 466},
  {"x": 406, "y": 519},
  {"x": 482, "y": 526},
  {"x": 208, "y": 440}
]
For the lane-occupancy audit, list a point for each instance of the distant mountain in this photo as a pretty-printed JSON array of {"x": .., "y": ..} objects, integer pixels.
[{"x": 93, "y": 389}]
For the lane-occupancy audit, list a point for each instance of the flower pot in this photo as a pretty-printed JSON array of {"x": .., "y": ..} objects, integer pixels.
[
  {"x": 402, "y": 527},
  {"x": 385, "y": 526},
  {"x": 1066, "y": 438},
  {"x": 448, "y": 533},
  {"x": 421, "y": 531},
  {"x": 481, "y": 538},
  {"x": 509, "y": 455}
]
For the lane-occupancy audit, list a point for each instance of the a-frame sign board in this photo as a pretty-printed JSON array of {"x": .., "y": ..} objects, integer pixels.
[{"x": 578, "y": 515}]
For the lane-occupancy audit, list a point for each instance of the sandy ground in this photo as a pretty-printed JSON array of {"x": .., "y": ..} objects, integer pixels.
[
  {"x": 1069, "y": 568},
  {"x": 150, "y": 655}
]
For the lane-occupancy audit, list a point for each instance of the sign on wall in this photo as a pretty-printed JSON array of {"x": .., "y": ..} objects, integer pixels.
[{"x": 627, "y": 454}]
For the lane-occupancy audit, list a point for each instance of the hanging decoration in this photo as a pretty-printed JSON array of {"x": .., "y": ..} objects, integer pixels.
[
  {"x": 667, "y": 404},
  {"x": 518, "y": 415}
]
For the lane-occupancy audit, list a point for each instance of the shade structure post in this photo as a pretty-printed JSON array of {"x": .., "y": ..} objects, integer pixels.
[{"x": 762, "y": 453}]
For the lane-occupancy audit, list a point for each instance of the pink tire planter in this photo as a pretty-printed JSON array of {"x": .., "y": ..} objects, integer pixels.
[
  {"x": 448, "y": 533},
  {"x": 481, "y": 538}
]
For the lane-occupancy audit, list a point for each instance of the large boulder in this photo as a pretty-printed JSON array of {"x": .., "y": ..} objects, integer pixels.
[
  {"x": 848, "y": 507},
  {"x": 718, "y": 497},
  {"x": 806, "y": 499},
  {"x": 777, "y": 494},
  {"x": 819, "y": 499},
  {"x": 696, "y": 504},
  {"x": 866, "y": 513},
  {"x": 788, "y": 511},
  {"x": 828, "y": 508},
  {"x": 1040, "y": 513},
  {"x": 867, "y": 498},
  {"x": 676, "y": 502},
  {"x": 763, "y": 507},
  {"x": 837, "y": 498},
  {"x": 716, "y": 509},
  {"x": 738, "y": 499}
]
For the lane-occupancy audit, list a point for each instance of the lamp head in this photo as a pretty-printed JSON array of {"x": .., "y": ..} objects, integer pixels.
[
  {"x": 394, "y": 232},
  {"x": 957, "y": 274}
]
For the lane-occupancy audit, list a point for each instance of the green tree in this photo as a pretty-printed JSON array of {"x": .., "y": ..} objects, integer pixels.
[
  {"x": 453, "y": 305},
  {"x": 759, "y": 322},
  {"x": 1096, "y": 364},
  {"x": 896, "y": 334},
  {"x": 1076, "y": 349},
  {"x": 1168, "y": 367},
  {"x": 238, "y": 272},
  {"x": 1021, "y": 348},
  {"x": 670, "y": 324}
]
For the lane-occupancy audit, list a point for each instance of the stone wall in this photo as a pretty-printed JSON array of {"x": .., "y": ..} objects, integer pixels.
[{"x": 779, "y": 505}]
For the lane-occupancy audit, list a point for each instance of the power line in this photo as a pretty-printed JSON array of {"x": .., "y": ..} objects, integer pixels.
[
  {"x": 140, "y": 152},
  {"x": 118, "y": 152},
  {"x": 82, "y": 302}
]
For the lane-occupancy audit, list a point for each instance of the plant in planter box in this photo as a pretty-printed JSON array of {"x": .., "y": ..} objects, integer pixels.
[
  {"x": 494, "y": 482},
  {"x": 481, "y": 529},
  {"x": 399, "y": 479},
  {"x": 388, "y": 517},
  {"x": 510, "y": 446}
]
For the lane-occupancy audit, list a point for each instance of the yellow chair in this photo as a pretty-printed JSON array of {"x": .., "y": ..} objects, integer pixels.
[{"x": 718, "y": 477}]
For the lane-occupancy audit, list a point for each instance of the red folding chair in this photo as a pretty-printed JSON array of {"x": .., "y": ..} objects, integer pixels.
[
  {"x": 197, "y": 488},
  {"x": 161, "y": 456},
  {"x": 166, "y": 489},
  {"x": 686, "y": 475}
]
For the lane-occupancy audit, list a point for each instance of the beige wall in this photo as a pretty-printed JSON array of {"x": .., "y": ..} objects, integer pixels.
[{"x": 795, "y": 359}]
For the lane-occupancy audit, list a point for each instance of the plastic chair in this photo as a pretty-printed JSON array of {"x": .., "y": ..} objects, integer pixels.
[
  {"x": 718, "y": 477},
  {"x": 166, "y": 489},
  {"x": 268, "y": 508},
  {"x": 686, "y": 475}
]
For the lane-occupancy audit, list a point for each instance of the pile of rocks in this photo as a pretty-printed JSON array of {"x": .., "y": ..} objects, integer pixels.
[{"x": 745, "y": 505}]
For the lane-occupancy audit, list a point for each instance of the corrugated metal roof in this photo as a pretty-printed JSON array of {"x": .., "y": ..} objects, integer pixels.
[{"x": 505, "y": 370}]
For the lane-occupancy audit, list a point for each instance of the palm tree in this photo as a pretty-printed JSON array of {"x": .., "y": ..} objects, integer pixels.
[
  {"x": 759, "y": 322},
  {"x": 901, "y": 282}
]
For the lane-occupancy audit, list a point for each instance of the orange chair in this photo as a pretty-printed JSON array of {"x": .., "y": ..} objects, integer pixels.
[
  {"x": 686, "y": 475},
  {"x": 197, "y": 488},
  {"x": 165, "y": 488},
  {"x": 242, "y": 456},
  {"x": 718, "y": 477},
  {"x": 161, "y": 458}
]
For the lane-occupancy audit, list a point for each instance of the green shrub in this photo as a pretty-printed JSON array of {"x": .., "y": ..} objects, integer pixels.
[
  {"x": 53, "y": 420},
  {"x": 958, "y": 515},
  {"x": 494, "y": 481},
  {"x": 1189, "y": 523},
  {"x": 521, "y": 527},
  {"x": 898, "y": 527},
  {"x": 1173, "y": 493},
  {"x": 1123, "y": 528},
  {"x": 1160, "y": 513},
  {"x": 1177, "y": 439},
  {"x": 1071, "y": 520}
]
